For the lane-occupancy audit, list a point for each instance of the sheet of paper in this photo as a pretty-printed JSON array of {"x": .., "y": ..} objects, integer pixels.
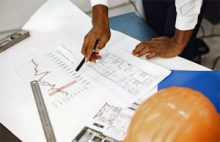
[
  {"x": 70, "y": 97},
  {"x": 58, "y": 22},
  {"x": 126, "y": 76},
  {"x": 122, "y": 79},
  {"x": 56, "y": 75},
  {"x": 110, "y": 122}
]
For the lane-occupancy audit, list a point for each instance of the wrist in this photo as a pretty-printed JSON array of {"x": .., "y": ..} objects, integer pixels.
[
  {"x": 181, "y": 38},
  {"x": 177, "y": 43},
  {"x": 100, "y": 15}
]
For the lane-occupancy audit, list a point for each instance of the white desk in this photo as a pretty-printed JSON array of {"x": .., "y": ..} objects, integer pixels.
[{"x": 57, "y": 21}]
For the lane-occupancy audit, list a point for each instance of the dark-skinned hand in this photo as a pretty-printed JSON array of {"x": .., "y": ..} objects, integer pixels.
[
  {"x": 94, "y": 41},
  {"x": 163, "y": 46},
  {"x": 98, "y": 36}
]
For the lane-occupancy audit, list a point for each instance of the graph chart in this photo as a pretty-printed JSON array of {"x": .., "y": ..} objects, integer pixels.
[{"x": 58, "y": 78}]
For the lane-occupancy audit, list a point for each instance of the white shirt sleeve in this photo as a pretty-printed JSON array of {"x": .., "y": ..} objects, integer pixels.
[
  {"x": 95, "y": 2},
  {"x": 187, "y": 13}
]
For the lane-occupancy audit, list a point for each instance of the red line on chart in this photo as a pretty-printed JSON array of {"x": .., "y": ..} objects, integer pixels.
[
  {"x": 51, "y": 86},
  {"x": 58, "y": 90}
]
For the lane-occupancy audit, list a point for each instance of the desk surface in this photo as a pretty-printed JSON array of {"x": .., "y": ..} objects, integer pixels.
[
  {"x": 137, "y": 28},
  {"x": 54, "y": 23}
]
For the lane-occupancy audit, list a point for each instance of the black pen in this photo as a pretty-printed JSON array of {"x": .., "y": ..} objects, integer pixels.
[
  {"x": 83, "y": 60},
  {"x": 80, "y": 64}
]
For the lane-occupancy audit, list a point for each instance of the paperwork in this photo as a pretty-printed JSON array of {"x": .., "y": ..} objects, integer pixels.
[
  {"x": 118, "y": 80},
  {"x": 121, "y": 75},
  {"x": 72, "y": 99}
]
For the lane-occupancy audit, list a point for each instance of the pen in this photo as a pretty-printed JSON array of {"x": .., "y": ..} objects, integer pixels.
[
  {"x": 80, "y": 64},
  {"x": 83, "y": 60}
]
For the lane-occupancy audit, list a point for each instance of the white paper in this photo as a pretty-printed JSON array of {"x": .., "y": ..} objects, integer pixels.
[
  {"x": 128, "y": 77},
  {"x": 59, "y": 22},
  {"x": 122, "y": 79},
  {"x": 112, "y": 120}
]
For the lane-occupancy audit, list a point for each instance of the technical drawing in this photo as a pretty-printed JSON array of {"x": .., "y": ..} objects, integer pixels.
[
  {"x": 113, "y": 120},
  {"x": 123, "y": 74}
]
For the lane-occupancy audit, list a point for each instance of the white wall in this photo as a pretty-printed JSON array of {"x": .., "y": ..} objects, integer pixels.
[{"x": 14, "y": 13}]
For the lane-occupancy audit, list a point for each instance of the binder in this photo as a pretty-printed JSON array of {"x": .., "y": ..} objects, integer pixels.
[{"x": 206, "y": 82}]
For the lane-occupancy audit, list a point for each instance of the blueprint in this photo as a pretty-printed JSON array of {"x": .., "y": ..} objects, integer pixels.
[{"x": 51, "y": 55}]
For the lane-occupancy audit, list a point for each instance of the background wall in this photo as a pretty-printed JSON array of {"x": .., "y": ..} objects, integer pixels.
[{"x": 14, "y": 13}]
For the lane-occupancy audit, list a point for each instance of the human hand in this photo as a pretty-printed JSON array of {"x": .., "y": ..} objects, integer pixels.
[
  {"x": 94, "y": 41},
  {"x": 98, "y": 36},
  {"x": 158, "y": 47}
]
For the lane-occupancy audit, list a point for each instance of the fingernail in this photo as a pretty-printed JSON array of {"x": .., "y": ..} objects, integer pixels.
[
  {"x": 136, "y": 55},
  {"x": 86, "y": 59},
  {"x": 96, "y": 50}
]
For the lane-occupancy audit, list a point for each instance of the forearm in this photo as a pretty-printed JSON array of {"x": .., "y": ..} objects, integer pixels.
[
  {"x": 181, "y": 38},
  {"x": 100, "y": 15},
  {"x": 99, "y": 34}
]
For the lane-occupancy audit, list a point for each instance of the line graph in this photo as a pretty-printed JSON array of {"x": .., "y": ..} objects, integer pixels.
[
  {"x": 52, "y": 87},
  {"x": 56, "y": 75}
]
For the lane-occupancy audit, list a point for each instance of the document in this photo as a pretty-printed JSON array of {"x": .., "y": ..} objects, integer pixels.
[
  {"x": 76, "y": 101},
  {"x": 118, "y": 81},
  {"x": 109, "y": 124},
  {"x": 120, "y": 75},
  {"x": 56, "y": 75}
]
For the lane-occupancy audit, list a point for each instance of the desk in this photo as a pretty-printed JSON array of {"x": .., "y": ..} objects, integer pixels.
[
  {"x": 138, "y": 29},
  {"x": 61, "y": 21},
  {"x": 135, "y": 27}
]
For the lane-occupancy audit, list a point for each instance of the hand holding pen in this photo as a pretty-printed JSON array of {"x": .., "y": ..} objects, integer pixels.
[
  {"x": 94, "y": 53},
  {"x": 97, "y": 37},
  {"x": 100, "y": 32}
]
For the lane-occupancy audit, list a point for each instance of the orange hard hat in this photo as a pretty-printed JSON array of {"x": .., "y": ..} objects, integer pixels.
[{"x": 175, "y": 114}]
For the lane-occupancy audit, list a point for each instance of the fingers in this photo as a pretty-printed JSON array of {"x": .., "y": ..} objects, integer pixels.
[
  {"x": 88, "y": 46},
  {"x": 101, "y": 44},
  {"x": 94, "y": 57},
  {"x": 145, "y": 47},
  {"x": 93, "y": 47},
  {"x": 103, "y": 41},
  {"x": 144, "y": 51},
  {"x": 84, "y": 47},
  {"x": 89, "y": 50},
  {"x": 137, "y": 49},
  {"x": 94, "y": 41},
  {"x": 161, "y": 47},
  {"x": 151, "y": 55}
]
